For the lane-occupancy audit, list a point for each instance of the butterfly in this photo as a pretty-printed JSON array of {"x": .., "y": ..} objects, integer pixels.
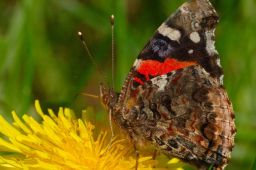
[{"x": 173, "y": 96}]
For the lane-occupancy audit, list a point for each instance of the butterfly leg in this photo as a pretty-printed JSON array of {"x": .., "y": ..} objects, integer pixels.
[
  {"x": 137, "y": 155},
  {"x": 111, "y": 124},
  {"x": 154, "y": 155},
  {"x": 111, "y": 129}
]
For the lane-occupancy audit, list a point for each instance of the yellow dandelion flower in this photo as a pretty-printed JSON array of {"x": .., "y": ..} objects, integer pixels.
[
  {"x": 173, "y": 161},
  {"x": 61, "y": 142}
]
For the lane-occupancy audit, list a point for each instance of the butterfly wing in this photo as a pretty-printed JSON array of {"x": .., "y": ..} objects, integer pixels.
[
  {"x": 184, "y": 113},
  {"x": 173, "y": 95},
  {"x": 184, "y": 39}
]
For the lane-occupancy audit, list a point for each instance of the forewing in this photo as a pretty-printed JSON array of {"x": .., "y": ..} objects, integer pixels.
[{"x": 184, "y": 39}]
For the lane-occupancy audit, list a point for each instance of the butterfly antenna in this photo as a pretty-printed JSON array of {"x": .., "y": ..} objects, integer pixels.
[
  {"x": 87, "y": 95},
  {"x": 81, "y": 36},
  {"x": 91, "y": 95},
  {"x": 112, "y": 22}
]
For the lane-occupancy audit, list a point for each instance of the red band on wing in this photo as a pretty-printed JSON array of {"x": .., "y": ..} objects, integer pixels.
[
  {"x": 138, "y": 80},
  {"x": 156, "y": 68}
]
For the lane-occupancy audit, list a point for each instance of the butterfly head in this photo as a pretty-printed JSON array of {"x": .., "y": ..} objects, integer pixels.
[{"x": 108, "y": 96}]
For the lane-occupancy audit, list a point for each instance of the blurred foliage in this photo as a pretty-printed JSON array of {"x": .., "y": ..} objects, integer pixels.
[{"x": 41, "y": 56}]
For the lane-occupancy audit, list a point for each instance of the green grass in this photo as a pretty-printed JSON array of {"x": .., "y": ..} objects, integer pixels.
[{"x": 42, "y": 57}]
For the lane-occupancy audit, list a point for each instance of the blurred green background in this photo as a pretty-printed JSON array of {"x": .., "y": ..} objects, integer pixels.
[{"x": 42, "y": 58}]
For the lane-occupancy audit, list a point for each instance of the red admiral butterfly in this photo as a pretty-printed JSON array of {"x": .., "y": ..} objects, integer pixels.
[{"x": 173, "y": 95}]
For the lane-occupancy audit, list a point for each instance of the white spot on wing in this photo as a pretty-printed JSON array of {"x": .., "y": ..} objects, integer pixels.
[
  {"x": 160, "y": 81},
  {"x": 191, "y": 51},
  {"x": 137, "y": 63},
  {"x": 195, "y": 37},
  {"x": 210, "y": 47},
  {"x": 197, "y": 25},
  {"x": 222, "y": 79},
  {"x": 169, "y": 32},
  {"x": 218, "y": 62}
]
